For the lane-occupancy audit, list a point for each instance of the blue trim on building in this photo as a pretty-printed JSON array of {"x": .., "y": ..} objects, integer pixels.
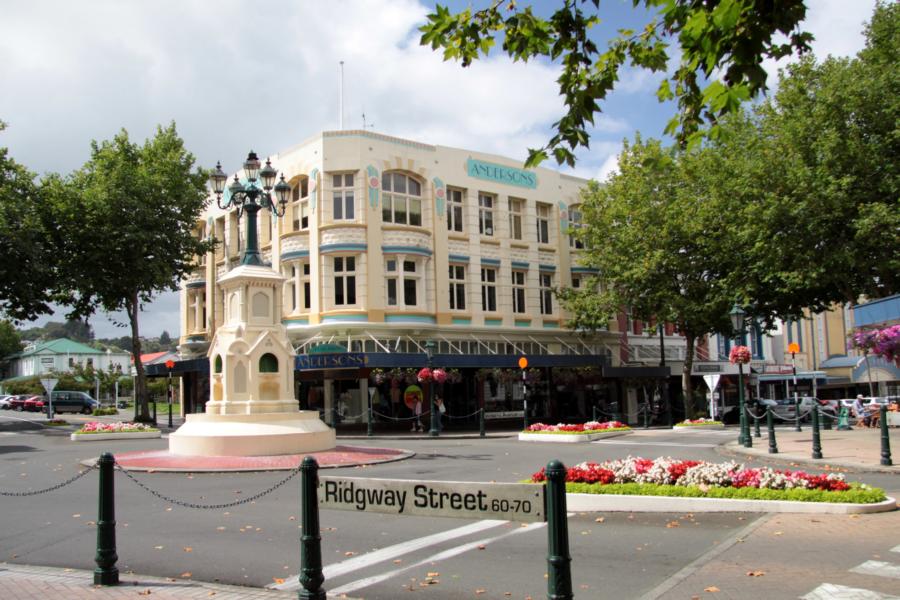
[
  {"x": 295, "y": 254},
  {"x": 518, "y": 264},
  {"x": 330, "y": 248},
  {"x": 875, "y": 312},
  {"x": 458, "y": 258},
  {"x": 409, "y": 319},
  {"x": 289, "y": 322},
  {"x": 493, "y": 322},
  {"x": 549, "y": 268},
  {"x": 406, "y": 250},
  {"x": 462, "y": 321},
  {"x": 195, "y": 284},
  {"x": 551, "y": 325},
  {"x": 586, "y": 270},
  {"x": 490, "y": 262},
  {"x": 523, "y": 323},
  {"x": 345, "y": 319}
]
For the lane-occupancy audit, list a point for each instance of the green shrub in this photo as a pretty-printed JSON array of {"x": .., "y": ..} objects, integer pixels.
[
  {"x": 857, "y": 494},
  {"x": 101, "y": 412}
]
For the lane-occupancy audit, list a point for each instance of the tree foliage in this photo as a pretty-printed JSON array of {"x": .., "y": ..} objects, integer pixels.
[
  {"x": 723, "y": 41},
  {"x": 131, "y": 211}
]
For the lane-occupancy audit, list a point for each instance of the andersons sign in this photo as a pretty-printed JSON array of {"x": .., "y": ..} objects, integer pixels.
[
  {"x": 347, "y": 360},
  {"x": 467, "y": 500},
  {"x": 480, "y": 169}
]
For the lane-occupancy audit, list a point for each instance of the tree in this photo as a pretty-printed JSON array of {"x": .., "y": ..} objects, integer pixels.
[
  {"x": 10, "y": 344},
  {"x": 662, "y": 253},
  {"x": 24, "y": 227},
  {"x": 727, "y": 38},
  {"x": 165, "y": 340},
  {"x": 131, "y": 211}
]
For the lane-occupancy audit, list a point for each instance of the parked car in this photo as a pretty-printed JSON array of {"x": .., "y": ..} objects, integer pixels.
[
  {"x": 34, "y": 404},
  {"x": 786, "y": 408},
  {"x": 18, "y": 402},
  {"x": 65, "y": 401},
  {"x": 4, "y": 401}
]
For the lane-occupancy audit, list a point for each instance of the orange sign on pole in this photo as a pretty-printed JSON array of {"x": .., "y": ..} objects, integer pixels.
[
  {"x": 793, "y": 347},
  {"x": 523, "y": 362}
]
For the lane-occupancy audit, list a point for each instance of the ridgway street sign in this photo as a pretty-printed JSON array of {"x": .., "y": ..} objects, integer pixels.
[{"x": 460, "y": 499}]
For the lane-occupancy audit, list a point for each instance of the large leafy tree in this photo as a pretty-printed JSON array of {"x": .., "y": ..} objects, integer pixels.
[
  {"x": 27, "y": 266},
  {"x": 130, "y": 213},
  {"x": 663, "y": 245},
  {"x": 721, "y": 44}
]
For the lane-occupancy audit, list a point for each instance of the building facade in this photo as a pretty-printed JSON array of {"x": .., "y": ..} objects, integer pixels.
[
  {"x": 395, "y": 253},
  {"x": 61, "y": 355}
]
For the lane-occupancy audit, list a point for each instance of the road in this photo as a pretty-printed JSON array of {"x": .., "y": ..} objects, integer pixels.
[{"x": 375, "y": 556}]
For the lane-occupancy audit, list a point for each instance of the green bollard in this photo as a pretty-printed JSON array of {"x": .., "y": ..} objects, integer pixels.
[
  {"x": 756, "y": 419},
  {"x": 370, "y": 426},
  {"x": 481, "y": 423},
  {"x": 646, "y": 416},
  {"x": 885, "y": 440},
  {"x": 106, "y": 572},
  {"x": 827, "y": 417},
  {"x": 311, "y": 576},
  {"x": 594, "y": 412},
  {"x": 154, "y": 413},
  {"x": 817, "y": 441},
  {"x": 770, "y": 425},
  {"x": 559, "y": 576},
  {"x": 797, "y": 414}
]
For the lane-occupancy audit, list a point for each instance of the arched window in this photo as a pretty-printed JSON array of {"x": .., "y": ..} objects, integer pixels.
[
  {"x": 217, "y": 364},
  {"x": 268, "y": 363},
  {"x": 402, "y": 199}
]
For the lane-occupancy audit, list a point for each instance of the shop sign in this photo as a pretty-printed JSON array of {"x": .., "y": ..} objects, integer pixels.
[
  {"x": 480, "y": 169},
  {"x": 347, "y": 360},
  {"x": 460, "y": 499}
]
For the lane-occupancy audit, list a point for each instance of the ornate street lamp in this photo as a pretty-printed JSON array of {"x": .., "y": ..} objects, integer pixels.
[
  {"x": 251, "y": 197},
  {"x": 737, "y": 315}
]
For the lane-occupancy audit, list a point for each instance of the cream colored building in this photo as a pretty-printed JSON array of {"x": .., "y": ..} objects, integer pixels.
[{"x": 388, "y": 245}]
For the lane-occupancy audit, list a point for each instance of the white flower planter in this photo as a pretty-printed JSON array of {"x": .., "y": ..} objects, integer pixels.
[
  {"x": 568, "y": 438},
  {"x": 131, "y": 435},
  {"x": 616, "y": 503},
  {"x": 678, "y": 427}
]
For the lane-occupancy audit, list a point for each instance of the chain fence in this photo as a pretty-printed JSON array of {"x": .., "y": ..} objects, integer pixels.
[
  {"x": 468, "y": 416},
  {"x": 390, "y": 418},
  {"x": 219, "y": 506},
  {"x": 52, "y": 488}
]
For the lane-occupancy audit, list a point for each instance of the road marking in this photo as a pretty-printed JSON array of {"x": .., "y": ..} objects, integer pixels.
[
  {"x": 636, "y": 443},
  {"x": 369, "y": 581},
  {"x": 895, "y": 549},
  {"x": 831, "y": 591},
  {"x": 877, "y": 567},
  {"x": 383, "y": 554}
]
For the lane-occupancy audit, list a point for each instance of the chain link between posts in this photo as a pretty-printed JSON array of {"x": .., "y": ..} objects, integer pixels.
[
  {"x": 52, "y": 488},
  {"x": 412, "y": 418},
  {"x": 198, "y": 505}
]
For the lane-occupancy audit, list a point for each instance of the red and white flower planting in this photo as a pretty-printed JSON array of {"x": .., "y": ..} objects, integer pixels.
[
  {"x": 573, "y": 432},
  {"x": 695, "y": 423},
  {"x": 95, "y": 430}
]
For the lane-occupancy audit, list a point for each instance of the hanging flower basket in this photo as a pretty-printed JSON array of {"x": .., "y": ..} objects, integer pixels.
[
  {"x": 439, "y": 375},
  {"x": 424, "y": 375},
  {"x": 739, "y": 355}
]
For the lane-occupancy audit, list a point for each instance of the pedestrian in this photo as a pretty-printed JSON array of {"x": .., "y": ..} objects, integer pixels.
[
  {"x": 441, "y": 409},
  {"x": 859, "y": 411},
  {"x": 417, "y": 425}
]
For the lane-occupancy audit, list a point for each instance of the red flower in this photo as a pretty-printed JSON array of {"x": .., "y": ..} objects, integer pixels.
[{"x": 424, "y": 375}]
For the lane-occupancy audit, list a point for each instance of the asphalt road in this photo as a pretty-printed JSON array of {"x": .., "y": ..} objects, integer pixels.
[{"x": 366, "y": 555}]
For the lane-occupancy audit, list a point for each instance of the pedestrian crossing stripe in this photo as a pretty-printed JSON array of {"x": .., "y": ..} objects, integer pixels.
[
  {"x": 831, "y": 591},
  {"x": 879, "y": 568}
]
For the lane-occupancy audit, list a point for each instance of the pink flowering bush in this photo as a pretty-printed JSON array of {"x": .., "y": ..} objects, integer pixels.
[
  {"x": 97, "y": 427},
  {"x": 589, "y": 427},
  {"x": 880, "y": 342},
  {"x": 698, "y": 422},
  {"x": 739, "y": 355},
  {"x": 669, "y": 471}
]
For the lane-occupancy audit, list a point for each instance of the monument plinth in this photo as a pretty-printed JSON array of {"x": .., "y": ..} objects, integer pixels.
[{"x": 251, "y": 410}]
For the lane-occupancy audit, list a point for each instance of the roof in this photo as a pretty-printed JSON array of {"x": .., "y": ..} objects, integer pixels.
[
  {"x": 146, "y": 358},
  {"x": 59, "y": 346},
  {"x": 840, "y": 361}
]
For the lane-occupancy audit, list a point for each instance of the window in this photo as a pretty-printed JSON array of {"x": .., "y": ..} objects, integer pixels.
[
  {"x": 343, "y": 209},
  {"x": 454, "y": 210},
  {"x": 546, "y": 280},
  {"x": 518, "y": 291},
  {"x": 488, "y": 289},
  {"x": 457, "y": 287},
  {"x": 575, "y": 224},
  {"x": 402, "y": 199},
  {"x": 402, "y": 276},
  {"x": 300, "y": 205},
  {"x": 576, "y": 282},
  {"x": 543, "y": 223},
  {"x": 485, "y": 214},
  {"x": 516, "y": 210},
  {"x": 344, "y": 280},
  {"x": 268, "y": 363},
  {"x": 297, "y": 290}
]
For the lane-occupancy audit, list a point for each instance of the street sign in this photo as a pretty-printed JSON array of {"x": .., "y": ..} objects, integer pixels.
[
  {"x": 793, "y": 347},
  {"x": 459, "y": 499},
  {"x": 49, "y": 383},
  {"x": 523, "y": 362}
]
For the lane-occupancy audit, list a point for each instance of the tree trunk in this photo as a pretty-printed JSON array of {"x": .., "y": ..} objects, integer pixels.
[
  {"x": 687, "y": 389},
  {"x": 132, "y": 307}
]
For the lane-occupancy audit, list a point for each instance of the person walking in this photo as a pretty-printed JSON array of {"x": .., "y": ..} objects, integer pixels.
[
  {"x": 417, "y": 410},
  {"x": 859, "y": 411},
  {"x": 441, "y": 409}
]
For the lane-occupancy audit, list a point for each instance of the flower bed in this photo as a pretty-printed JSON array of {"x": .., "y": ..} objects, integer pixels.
[
  {"x": 575, "y": 432},
  {"x": 699, "y": 479},
  {"x": 96, "y": 430},
  {"x": 701, "y": 423}
]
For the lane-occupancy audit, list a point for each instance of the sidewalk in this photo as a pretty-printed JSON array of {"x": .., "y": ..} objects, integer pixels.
[
  {"x": 858, "y": 449},
  {"x": 20, "y": 582}
]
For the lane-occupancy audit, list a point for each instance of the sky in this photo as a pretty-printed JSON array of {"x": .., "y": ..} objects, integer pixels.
[{"x": 235, "y": 75}]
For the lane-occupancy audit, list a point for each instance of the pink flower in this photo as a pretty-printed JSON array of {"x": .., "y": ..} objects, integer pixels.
[
  {"x": 424, "y": 375},
  {"x": 739, "y": 355},
  {"x": 440, "y": 375}
]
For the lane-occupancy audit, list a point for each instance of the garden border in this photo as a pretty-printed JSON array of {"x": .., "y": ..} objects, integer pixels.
[
  {"x": 569, "y": 438},
  {"x": 626, "y": 503},
  {"x": 125, "y": 435}
]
